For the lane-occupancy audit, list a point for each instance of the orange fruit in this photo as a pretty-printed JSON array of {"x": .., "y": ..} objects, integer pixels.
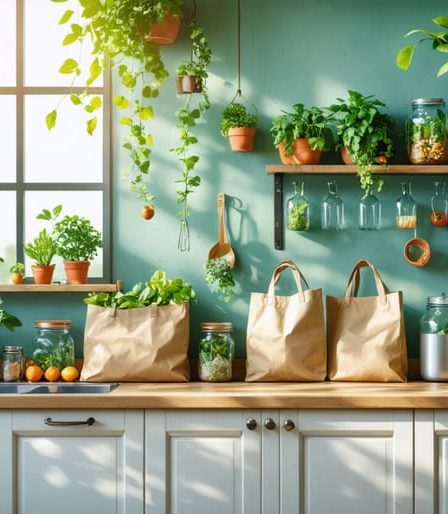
[
  {"x": 69, "y": 374},
  {"x": 52, "y": 374},
  {"x": 34, "y": 373},
  {"x": 147, "y": 212}
]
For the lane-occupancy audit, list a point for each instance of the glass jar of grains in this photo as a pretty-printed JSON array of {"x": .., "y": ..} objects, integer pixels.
[
  {"x": 216, "y": 349},
  {"x": 13, "y": 363},
  {"x": 53, "y": 346}
]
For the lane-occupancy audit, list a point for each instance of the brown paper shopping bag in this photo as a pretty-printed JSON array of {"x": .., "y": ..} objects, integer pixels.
[
  {"x": 147, "y": 344},
  {"x": 366, "y": 337},
  {"x": 285, "y": 334}
]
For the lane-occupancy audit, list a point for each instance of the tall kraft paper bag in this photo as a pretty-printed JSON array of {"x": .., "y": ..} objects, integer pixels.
[
  {"x": 148, "y": 344},
  {"x": 366, "y": 336},
  {"x": 285, "y": 334}
]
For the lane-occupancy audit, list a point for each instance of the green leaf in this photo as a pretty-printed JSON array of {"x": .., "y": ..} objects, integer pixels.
[
  {"x": 50, "y": 119},
  {"x": 58, "y": 1},
  {"x": 404, "y": 57},
  {"x": 120, "y": 101},
  {"x": 148, "y": 139},
  {"x": 441, "y": 20},
  {"x": 95, "y": 71},
  {"x": 57, "y": 210},
  {"x": 91, "y": 125},
  {"x": 65, "y": 17},
  {"x": 44, "y": 215},
  {"x": 69, "y": 66},
  {"x": 442, "y": 70},
  {"x": 146, "y": 113},
  {"x": 96, "y": 102},
  {"x": 75, "y": 99},
  {"x": 70, "y": 39},
  {"x": 126, "y": 121},
  {"x": 442, "y": 48}
]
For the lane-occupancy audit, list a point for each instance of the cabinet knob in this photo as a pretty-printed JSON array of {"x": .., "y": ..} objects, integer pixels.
[
  {"x": 269, "y": 423},
  {"x": 289, "y": 425},
  {"x": 251, "y": 424}
]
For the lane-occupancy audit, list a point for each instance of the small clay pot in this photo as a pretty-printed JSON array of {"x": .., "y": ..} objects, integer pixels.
[
  {"x": 302, "y": 153},
  {"x": 165, "y": 33},
  {"x": 17, "y": 278},
  {"x": 241, "y": 139},
  {"x": 43, "y": 274},
  {"x": 417, "y": 252},
  {"x": 284, "y": 157},
  {"x": 187, "y": 84},
  {"x": 76, "y": 271},
  {"x": 346, "y": 156}
]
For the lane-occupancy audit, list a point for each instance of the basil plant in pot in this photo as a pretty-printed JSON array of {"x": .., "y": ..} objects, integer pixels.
[
  {"x": 77, "y": 242},
  {"x": 238, "y": 125},
  {"x": 42, "y": 250},
  {"x": 302, "y": 135}
]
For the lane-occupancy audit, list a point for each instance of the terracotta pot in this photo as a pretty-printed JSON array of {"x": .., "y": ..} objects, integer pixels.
[
  {"x": 17, "y": 278},
  {"x": 241, "y": 139},
  {"x": 76, "y": 271},
  {"x": 284, "y": 157},
  {"x": 346, "y": 156},
  {"x": 301, "y": 153},
  {"x": 187, "y": 84},
  {"x": 417, "y": 252},
  {"x": 165, "y": 33},
  {"x": 43, "y": 274}
]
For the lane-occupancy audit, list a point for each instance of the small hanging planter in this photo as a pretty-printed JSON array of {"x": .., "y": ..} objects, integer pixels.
[
  {"x": 241, "y": 139},
  {"x": 166, "y": 32},
  {"x": 187, "y": 84},
  {"x": 238, "y": 125}
]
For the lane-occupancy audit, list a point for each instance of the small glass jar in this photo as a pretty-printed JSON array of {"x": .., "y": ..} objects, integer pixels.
[
  {"x": 369, "y": 212},
  {"x": 298, "y": 209},
  {"x": 426, "y": 137},
  {"x": 53, "y": 346},
  {"x": 406, "y": 208},
  {"x": 216, "y": 350},
  {"x": 332, "y": 209},
  {"x": 439, "y": 205},
  {"x": 13, "y": 363}
]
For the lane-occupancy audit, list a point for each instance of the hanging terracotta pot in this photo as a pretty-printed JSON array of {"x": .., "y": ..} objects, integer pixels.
[
  {"x": 241, "y": 139},
  {"x": 165, "y": 33},
  {"x": 187, "y": 84},
  {"x": 76, "y": 271},
  {"x": 43, "y": 274}
]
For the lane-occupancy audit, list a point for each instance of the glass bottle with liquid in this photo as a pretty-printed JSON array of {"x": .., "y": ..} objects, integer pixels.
[
  {"x": 439, "y": 205},
  {"x": 332, "y": 209},
  {"x": 298, "y": 209},
  {"x": 406, "y": 208}
]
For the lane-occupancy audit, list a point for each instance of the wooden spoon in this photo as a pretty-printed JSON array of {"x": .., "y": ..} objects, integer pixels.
[{"x": 222, "y": 248}]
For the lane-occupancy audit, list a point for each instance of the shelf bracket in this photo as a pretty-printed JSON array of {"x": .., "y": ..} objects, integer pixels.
[{"x": 278, "y": 211}]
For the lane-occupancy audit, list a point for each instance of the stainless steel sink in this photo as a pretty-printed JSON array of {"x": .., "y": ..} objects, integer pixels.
[{"x": 56, "y": 388}]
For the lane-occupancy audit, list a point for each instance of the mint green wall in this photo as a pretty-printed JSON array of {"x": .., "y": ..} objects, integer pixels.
[{"x": 308, "y": 51}]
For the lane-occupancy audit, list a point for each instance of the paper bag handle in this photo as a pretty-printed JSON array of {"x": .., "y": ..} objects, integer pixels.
[
  {"x": 298, "y": 277},
  {"x": 354, "y": 281}
]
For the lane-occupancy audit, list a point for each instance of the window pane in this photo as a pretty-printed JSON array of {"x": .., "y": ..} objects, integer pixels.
[
  {"x": 8, "y": 42},
  {"x": 8, "y": 135},
  {"x": 66, "y": 153},
  {"x": 44, "y": 36},
  {"x": 7, "y": 233},
  {"x": 88, "y": 204}
]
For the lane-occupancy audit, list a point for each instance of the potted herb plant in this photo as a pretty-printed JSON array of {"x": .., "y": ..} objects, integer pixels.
[
  {"x": 302, "y": 135},
  {"x": 77, "y": 242},
  {"x": 364, "y": 135},
  {"x": 17, "y": 272},
  {"x": 164, "y": 24},
  {"x": 238, "y": 125},
  {"x": 42, "y": 250}
]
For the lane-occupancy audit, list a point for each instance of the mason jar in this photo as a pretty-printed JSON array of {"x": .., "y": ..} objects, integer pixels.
[
  {"x": 53, "y": 345},
  {"x": 434, "y": 339},
  {"x": 216, "y": 350},
  {"x": 13, "y": 363},
  {"x": 426, "y": 137}
]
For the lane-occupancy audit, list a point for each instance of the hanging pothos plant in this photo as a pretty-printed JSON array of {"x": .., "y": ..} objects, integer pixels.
[
  {"x": 117, "y": 30},
  {"x": 187, "y": 118}
]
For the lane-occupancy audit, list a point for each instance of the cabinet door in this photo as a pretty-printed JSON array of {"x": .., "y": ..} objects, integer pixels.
[
  {"x": 346, "y": 462},
  {"x": 202, "y": 462},
  {"x": 76, "y": 468}
]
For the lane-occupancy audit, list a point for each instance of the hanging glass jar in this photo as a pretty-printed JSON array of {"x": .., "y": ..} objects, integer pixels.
[
  {"x": 439, "y": 205},
  {"x": 298, "y": 209},
  {"x": 406, "y": 208},
  {"x": 369, "y": 212},
  {"x": 426, "y": 137},
  {"x": 53, "y": 345},
  {"x": 332, "y": 209},
  {"x": 216, "y": 349}
]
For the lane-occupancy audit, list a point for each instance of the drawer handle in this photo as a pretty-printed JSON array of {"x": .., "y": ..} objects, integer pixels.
[
  {"x": 269, "y": 423},
  {"x": 251, "y": 424},
  {"x": 289, "y": 425},
  {"x": 89, "y": 421}
]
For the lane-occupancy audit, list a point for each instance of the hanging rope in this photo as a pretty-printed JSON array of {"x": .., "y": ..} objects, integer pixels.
[
  {"x": 238, "y": 93},
  {"x": 193, "y": 24}
]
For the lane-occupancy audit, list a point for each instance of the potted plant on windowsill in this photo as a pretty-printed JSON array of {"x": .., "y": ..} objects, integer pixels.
[
  {"x": 77, "y": 242},
  {"x": 364, "y": 135},
  {"x": 238, "y": 125},
  {"x": 42, "y": 250},
  {"x": 302, "y": 135},
  {"x": 17, "y": 272}
]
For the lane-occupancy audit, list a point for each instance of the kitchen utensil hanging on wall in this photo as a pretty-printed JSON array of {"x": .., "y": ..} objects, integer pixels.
[
  {"x": 417, "y": 251},
  {"x": 222, "y": 248}
]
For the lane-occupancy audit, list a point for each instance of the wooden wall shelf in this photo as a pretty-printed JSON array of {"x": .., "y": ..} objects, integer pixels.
[{"x": 61, "y": 288}]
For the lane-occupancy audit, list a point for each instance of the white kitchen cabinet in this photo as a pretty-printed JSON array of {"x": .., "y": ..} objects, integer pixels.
[
  {"x": 203, "y": 462},
  {"x": 72, "y": 468}
]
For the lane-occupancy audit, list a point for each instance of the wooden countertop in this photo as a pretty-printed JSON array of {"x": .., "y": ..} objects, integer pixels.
[{"x": 240, "y": 395}]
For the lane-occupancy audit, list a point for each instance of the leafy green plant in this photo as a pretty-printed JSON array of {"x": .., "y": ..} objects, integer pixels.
[
  {"x": 219, "y": 275},
  {"x": 236, "y": 115},
  {"x": 215, "y": 358},
  {"x": 42, "y": 249},
  {"x": 117, "y": 30},
  {"x": 18, "y": 267},
  {"x": 76, "y": 238},
  {"x": 7, "y": 320},
  {"x": 159, "y": 290},
  {"x": 312, "y": 124},
  {"x": 298, "y": 217},
  {"x": 439, "y": 40},
  {"x": 365, "y": 132}
]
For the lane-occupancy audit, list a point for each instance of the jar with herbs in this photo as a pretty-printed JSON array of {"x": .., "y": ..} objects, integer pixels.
[
  {"x": 298, "y": 209},
  {"x": 53, "y": 345},
  {"x": 426, "y": 136},
  {"x": 216, "y": 350}
]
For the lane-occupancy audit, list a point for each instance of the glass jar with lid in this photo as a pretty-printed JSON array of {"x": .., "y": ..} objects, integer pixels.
[
  {"x": 406, "y": 208},
  {"x": 53, "y": 345},
  {"x": 298, "y": 209},
  {"x": 13, "y": 363},
  {"x": 216, "y": 350},
  {"x": 426, "y": 137}
]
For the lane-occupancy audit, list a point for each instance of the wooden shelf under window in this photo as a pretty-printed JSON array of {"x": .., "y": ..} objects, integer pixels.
[
  {"x": 61, "y": 288},
  {"x": 344, "y": 169}
]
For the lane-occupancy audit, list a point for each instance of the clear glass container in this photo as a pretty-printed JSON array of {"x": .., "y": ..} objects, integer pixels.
[
  {"x": 216, "y": 350},
  {"x": 53, "y": 346},
  {"x": 439, "y": 205},
  {"x": 426, "y": 137},
  {"x": 406, "y": 208},
  {"x": 298, "y": 209},
  {"x": 435, "y": 319},
  {"x": 369, "y": 212},
  {"x": 13, "y": 363},
  {"x": 332, "y": 209}
]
